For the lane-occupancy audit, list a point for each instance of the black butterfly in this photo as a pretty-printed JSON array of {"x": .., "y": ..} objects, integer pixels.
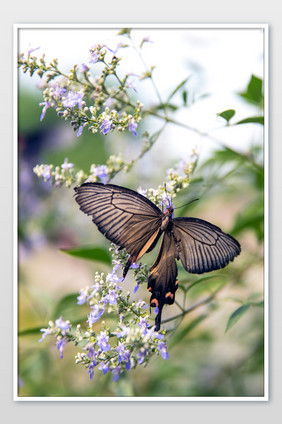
[{"x": 134, "y": 223}]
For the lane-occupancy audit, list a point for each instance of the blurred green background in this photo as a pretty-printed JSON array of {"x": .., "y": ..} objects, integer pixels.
[{"x": 205, "y": 359}]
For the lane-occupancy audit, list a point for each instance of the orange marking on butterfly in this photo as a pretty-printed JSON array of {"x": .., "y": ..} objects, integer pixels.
[
  {"x": 176, "y": 282},
  {"x": 154, "y": 303},
  {"x": 169, "y": 294}
]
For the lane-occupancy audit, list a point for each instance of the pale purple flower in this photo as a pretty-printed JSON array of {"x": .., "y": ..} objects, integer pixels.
[
  {"x": 106, "y": 125},
  {"x": 156, "y": 310},
  {"x": 123, "y": 355},
  {"x": 95, "y": 314},
  {"x": 63, "y": 325},
  {"x": 66, "y": 165},
  {"x": 116, "y": 373},
  {"x": 132, "y": 125},
  {"x": 151, "y": 333},
  {"x": 114, "y": 51},
  {"x": 91, "y": 353},
  {"x": 46, "y": 172},
  {"x": 111, "y": 298},
  {"x": 60, "y": 346},
  {"x": 46, "y": 105},
  {"x": 91, "y": 370},
  {"x": 166, "y": 202},
  {"x": 136, "y": 288},
  {"x": 96, "y": 287},
  {"x": 46, "y": 332},
  {"x": 109, "y": 102},
  {"x": 80, "y": 129},
  {"x": 131, "y": 84},
  {"x": 141, "y": 191},
  {"x": 93, "y": 56},
  {"x": 81, "y": 299},
  {"x": 32, "y": 49},
  {"x": 104, "y": 367},
  {"x": 84, "y": 68},
  {"x": 73, "y": 98},
  {"x": 101, "y": 171},
  {"x": 143, "y": 324},
  {"x": 113, "y": 277},
  {"x": 135, "y": 265},
  {"x": 102, "y": 341},
  {"x": 163, "y": 349},
  {"x": 58, "y": 91},
  {"x": 124, "y": 331},
  {"x": 141, "y": 355}
]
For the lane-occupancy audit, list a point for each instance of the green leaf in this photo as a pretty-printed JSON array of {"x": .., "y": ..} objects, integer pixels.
[
  {"x": 254, "y": 92},
  {"x": 179, "y": 336},
  {"x": 91, "y": 253},
  {"x": 65, "y": 304},
  {"x": 252, "y": 120},
  {"x": 184, "y": 97},
  {"x": 203, "y": 279},
  {"x": 178, "y": 88},
  {"x": 227, "y": 114},
  {"x": 236, "y": 315}
]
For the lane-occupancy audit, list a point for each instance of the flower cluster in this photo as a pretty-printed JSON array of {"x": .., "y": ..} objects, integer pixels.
[
  {"x": 176, "y": 179},
  {"x": 85, "y": 100},
  {"x": 131, "y": 341},
  {"x": 66, "y": 174}
]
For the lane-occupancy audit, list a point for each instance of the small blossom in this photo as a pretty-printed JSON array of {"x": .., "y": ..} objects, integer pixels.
[
  {"x": 32, "y": 49},
  {"x": 96, "y": 287},
  {"x": 141, "y": 355},
  {"x": 80, "y": 130},
  {"x": 60, "y": 346},
  {"x": 73, "y": 98},
  {"x": 106, "y": 125},
  {"x": 135, "y": 265},
  {"x": 136, "y": 288},
  {"x": 81, "y": 299},
  {"x": 84, "y": 68},
  {"x": 63, "y": 325},
  {"x": 104, "y": 367},
  {"x": 111, "y": 298},
  {"x": 101, "y": 172},
  {"x": 141, "y": 191},
  {"x": 91, "y": 353},
  {"x": 143, "y": 324},
  {"x": 132, "y": 127},
  {"x": 46, "y": 332},
  {"x": 93, "y": 56},
  {"x": 66, "y": 165},
  {"x": 102, "y": 341},
  {"x": 91, "y": 370},
  {"x": 124, "y": 331},
  {"x": 116, "y": 373},
  {"x": 163, "y": 349},
  {"x": 109, "y": 102},
  {"x": 46, "y": 105},
  {"x": 46, "y": 174},
  {"x": 95, "y": 314}
]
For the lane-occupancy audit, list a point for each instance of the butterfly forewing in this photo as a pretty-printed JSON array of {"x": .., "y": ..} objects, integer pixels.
[
  {"x": 203, "y": 247},
  {"x": 125, "y": 217}
]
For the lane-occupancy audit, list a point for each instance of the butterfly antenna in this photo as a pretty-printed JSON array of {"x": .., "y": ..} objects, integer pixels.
[{"x": 185, "y": 204}]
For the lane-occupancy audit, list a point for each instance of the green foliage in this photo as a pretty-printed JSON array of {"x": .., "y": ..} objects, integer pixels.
[
  {"x": 91, "y": 253},
  {"x": 254, "y": 91}
]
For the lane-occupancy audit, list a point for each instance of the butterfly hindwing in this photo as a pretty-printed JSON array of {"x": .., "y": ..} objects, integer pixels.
[
  {"x": 203, "y": 247},
  {"x": 162, "y": 282}
]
